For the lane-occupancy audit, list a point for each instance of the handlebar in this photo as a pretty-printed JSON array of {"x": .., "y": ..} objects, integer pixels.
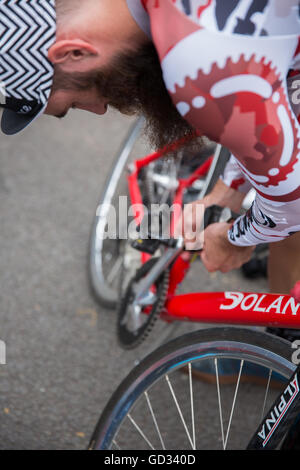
[
  {"x": 175, "y": 247},
  {"x": 212, "y": 214}
]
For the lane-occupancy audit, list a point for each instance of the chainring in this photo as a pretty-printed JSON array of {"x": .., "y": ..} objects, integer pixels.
[{"x": 129, "y": 338}]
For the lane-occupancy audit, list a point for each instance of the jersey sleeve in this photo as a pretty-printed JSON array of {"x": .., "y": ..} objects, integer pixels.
[
  {"x": 269, "y": 220},
  {"x": 234, "y": 178},
  {"x": 225, "y": 66},
  {"x": 266, "y": 222}
]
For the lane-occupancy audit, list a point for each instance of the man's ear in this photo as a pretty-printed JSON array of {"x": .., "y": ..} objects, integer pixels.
[{"x": 73, "y": 55}]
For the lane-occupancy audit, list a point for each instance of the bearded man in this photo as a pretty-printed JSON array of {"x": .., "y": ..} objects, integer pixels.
[{"x": 226, "y": 69}]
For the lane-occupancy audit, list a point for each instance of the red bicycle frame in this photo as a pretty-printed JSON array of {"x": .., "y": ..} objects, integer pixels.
[{"x": 234, "y": 308}]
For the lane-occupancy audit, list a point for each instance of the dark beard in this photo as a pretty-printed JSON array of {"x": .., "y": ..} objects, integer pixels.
[{"x": 133, "y": 84}]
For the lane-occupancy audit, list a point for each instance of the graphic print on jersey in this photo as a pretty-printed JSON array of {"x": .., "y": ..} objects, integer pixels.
[
  {"x": 248, "y": 17},
  {"x": 225, "y": 66},
  {"x": 247, "y": 98},
  {"x": 244, "y": 25}
]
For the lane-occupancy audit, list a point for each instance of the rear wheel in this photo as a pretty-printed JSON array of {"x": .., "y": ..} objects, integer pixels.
[
  {"x": 106, "y": 253},
  {"x": 112, "y": 261}
]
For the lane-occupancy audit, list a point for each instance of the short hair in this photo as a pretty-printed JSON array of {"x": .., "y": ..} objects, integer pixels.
[{"x": 65, "y": 7}]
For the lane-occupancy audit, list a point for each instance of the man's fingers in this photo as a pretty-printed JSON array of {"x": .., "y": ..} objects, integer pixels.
[
  {"x": 208, "y": 265},
  {"x": 178, "y": 229},
  {"x": 190, "y": 223},
  {"x": 186, "y": 256}
]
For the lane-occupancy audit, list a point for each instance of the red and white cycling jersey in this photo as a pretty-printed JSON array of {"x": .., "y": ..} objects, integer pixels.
[{"x": 232, "y": 69}]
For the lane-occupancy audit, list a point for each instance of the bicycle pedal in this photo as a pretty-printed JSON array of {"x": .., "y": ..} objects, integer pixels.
[{"x": 146, "y": 245}]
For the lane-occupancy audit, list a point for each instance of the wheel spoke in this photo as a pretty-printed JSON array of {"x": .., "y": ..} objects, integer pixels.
[
  {"x": 155, "y": 421},
  {"x": 140, "y": 431},
  {"x": 219, "y": 402},
  {"x": 114, "y": 270},
  {"x": 234, "y": 401},
  {"x": 192, "y": 404},
  {"x": 179, "y": 411},
  {"x": 266, "y": 395},
  {"x": 116, "y": 444}
]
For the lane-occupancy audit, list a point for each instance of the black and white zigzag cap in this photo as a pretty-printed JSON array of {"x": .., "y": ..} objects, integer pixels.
[{"x": 27, "y": 31}]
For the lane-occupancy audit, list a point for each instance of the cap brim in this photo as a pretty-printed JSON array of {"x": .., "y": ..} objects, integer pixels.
[{"x": 12, "y": 122}]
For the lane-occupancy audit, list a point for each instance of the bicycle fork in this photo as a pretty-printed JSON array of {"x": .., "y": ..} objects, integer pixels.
[{"x": 281, "y": 418}]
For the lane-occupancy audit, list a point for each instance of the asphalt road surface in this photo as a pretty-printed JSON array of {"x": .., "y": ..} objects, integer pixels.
[{"x": 63, "y": 361}]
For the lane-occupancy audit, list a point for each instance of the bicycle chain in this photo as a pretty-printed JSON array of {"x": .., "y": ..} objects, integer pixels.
[{"x": 128, "y": 339}]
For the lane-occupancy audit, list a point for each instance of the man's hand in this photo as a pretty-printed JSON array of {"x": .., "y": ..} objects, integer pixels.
[
  {"x": 218, "y": 253},
  {"x": 190, "y": 226}
]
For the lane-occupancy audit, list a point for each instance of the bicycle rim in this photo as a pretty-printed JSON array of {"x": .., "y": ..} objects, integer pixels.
[
  {"x": 158, "y": 407},
  {"x": 105, "y": 256}
]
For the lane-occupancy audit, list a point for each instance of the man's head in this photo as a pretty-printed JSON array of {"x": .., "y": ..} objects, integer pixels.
[
  {"x": 101, "y": 57},
  {"x": 110, "y": 63},
  {"x": 38, "y": 36}
]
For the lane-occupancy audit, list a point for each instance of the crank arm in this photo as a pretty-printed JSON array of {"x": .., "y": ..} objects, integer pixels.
[{"x": 142, "y": 287}]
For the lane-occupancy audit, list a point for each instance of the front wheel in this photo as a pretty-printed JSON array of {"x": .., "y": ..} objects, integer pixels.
[{"x": 161, "y": 404}]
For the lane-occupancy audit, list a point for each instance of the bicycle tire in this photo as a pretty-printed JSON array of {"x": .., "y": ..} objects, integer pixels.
[
  {"x": 104, "y": 294},
  {"x": 251, "y": 345}
]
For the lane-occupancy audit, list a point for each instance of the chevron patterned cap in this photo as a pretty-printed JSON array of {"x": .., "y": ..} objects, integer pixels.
[{"x": 27, "y": 31}]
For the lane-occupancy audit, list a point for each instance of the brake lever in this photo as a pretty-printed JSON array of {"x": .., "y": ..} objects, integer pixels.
[{"x": 214, "y": 214}]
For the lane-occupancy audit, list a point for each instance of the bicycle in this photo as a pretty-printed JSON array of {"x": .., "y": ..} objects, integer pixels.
[
  {"x": 158, "y": 394},
  {"x": 160, "y": 180},
  {"x": 168, "y": 176},
  {"x": 144, "y": 302}
]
